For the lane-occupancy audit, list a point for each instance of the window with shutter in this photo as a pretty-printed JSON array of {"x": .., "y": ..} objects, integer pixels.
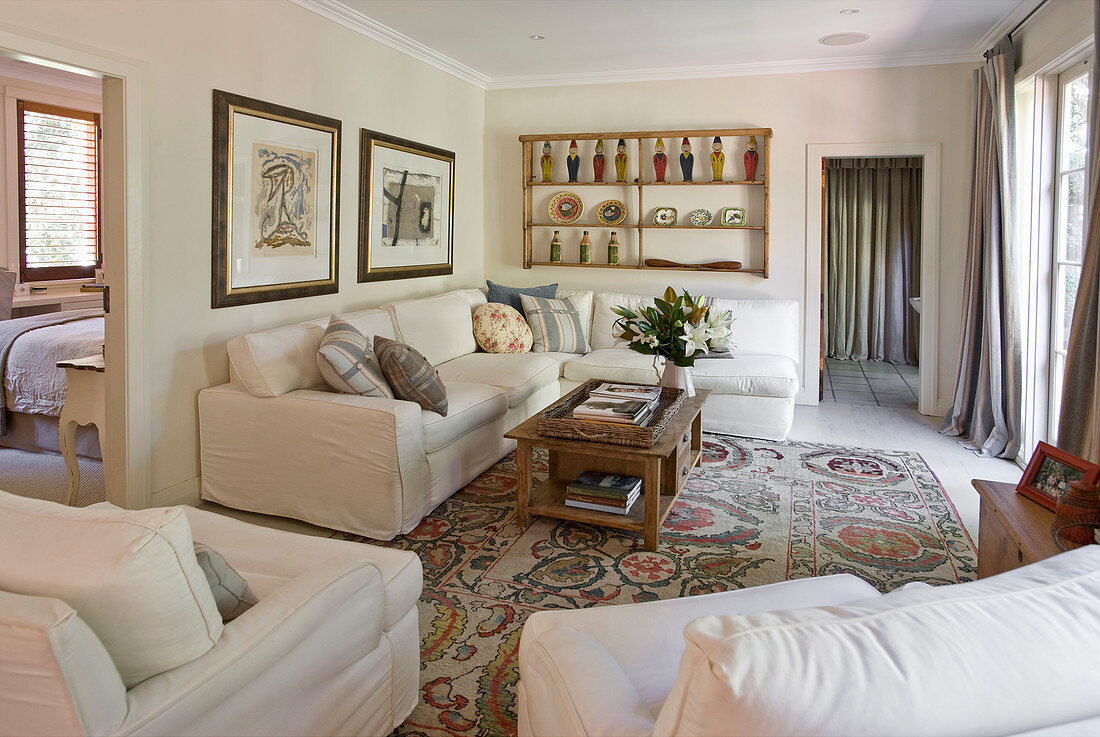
[{"x": 58, "y": 192}]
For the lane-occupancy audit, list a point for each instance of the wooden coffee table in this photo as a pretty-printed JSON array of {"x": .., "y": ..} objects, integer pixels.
[{"x": 664, "y": 469}]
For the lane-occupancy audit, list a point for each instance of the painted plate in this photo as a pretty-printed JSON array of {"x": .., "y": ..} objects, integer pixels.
[
  {"x": 611, "y": 212},
  {"x": 700, "y": 217},
  {"x": 565, "y": 208},
  {"x": 664, "y": 216},
  {"x": 733, "y": 217}
]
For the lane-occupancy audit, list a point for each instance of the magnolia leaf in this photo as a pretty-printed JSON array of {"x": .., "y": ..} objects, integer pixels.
[{"x": 670, "y": 294}]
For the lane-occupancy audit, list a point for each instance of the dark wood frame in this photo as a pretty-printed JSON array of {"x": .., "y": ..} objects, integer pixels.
[
  {"x": 368, "y": 139},
  {"x": 1043, "y": 451},
  {"x": 53, "y": 273},
  {"x": 225, "y": 104}
]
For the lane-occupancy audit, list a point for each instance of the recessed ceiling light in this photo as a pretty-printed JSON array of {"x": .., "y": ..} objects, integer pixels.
[
  {"x": 537, "y": 37},
  {"x": 849, "y": 11},
  {"x": 843, "y": 39}
]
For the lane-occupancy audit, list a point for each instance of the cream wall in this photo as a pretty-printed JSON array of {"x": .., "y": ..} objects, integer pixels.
[
  {"x": 907, "y": 104},
  {"x": 278, "y": 52}
]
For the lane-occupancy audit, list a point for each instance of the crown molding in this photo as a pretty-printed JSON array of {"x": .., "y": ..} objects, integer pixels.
[
  {"x": 753, "y": 69},
  {"x": 356, "y": 21},
  {"x": 1021, "y": 11}
]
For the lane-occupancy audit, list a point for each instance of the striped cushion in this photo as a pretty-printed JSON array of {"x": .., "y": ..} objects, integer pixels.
[
  {"x": 348, "y": 363},
  {"x": 555, "y": 324},
  {"x": 410, "y": 375}
]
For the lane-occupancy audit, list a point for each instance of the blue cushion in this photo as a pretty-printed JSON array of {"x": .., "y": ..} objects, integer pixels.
[{"x": 510, "y": 295}]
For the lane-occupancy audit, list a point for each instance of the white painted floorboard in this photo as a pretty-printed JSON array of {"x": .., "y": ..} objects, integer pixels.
[{"x": 868, "y": 426}]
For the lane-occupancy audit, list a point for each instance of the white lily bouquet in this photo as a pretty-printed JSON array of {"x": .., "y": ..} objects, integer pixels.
[{"x": 679, "y": 328}]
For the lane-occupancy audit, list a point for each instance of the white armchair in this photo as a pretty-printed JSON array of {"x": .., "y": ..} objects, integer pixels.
[{"x": 331, "y": 648}]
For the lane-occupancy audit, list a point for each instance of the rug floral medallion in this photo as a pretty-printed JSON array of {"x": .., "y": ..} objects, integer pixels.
[{"x": 756, "y": 512}]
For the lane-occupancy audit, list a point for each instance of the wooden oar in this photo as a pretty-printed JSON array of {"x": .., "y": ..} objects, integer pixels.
[{"x": 661, "y": 263}]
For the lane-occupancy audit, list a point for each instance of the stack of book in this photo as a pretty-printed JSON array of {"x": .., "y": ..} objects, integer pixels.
[
  {"x": 623, "y": 404},
  {"x": 603, "y": 492}
]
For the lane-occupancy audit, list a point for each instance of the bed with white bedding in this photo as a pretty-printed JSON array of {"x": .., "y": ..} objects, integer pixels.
[{"x": 34, "y": 388}]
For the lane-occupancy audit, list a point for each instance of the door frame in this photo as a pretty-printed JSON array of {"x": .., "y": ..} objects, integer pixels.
[
  {"x": 126, "y": 455},
  {"x": 927, "y": 403}
]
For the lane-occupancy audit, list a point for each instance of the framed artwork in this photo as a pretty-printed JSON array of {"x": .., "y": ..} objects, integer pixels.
[
  {"x": 1049, "y": 472},
  {"x": 406, "y": 208},
  {"x": 276, "y": 202}
]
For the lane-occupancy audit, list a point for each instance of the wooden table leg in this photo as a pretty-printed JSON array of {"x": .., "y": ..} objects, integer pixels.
[
  {"x": 651, "y": 491},
  {"x": 67, "y": 435},
  {"x": 523, "y": 482}
]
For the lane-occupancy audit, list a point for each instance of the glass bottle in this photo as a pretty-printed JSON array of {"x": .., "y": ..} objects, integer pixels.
[
  {"x": 586, "y": 249},
  {"x": 613, "y": 250},
  {"x": 555, "y": 248}
]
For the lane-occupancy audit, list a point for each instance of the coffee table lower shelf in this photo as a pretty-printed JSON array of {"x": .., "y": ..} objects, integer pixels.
[{"x": 548, "y": 500}]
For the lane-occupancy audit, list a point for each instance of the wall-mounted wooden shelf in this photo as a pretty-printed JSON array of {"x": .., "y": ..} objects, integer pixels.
[{"x": 637, "y": 224}]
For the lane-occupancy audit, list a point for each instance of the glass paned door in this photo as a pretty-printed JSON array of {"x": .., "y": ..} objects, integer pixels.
[{"x": 1069, "y": 229}]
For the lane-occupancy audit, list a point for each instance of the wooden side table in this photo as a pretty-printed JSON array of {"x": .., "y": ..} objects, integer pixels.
[
  {"x": 1012, "y": 530},
  {"x": 85, "y": 404},
  {"x": 664, "y": 469}
]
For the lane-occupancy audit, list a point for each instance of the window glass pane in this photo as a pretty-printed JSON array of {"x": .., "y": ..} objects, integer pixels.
[
  {"x": 1071, "y": 205},
  {"x": 1066, "y": 292},
  {"x": 1075, "y": 126},
  {"x": 1058, "y": 370}
]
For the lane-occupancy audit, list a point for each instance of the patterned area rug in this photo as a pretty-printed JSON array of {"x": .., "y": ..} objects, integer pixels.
[{"x": 757, "y": 512}]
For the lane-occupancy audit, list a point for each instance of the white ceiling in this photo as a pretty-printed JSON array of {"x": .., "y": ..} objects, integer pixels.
[{"x": 487, "y": 41}]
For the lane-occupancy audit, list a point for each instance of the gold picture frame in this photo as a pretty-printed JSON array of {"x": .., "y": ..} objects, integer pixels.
[
  {"x": 276, "y": 209},
  {"x": 406, "y": 208}
]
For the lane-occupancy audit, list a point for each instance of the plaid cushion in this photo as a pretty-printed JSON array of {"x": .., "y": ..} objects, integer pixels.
[
  {"x": 555, "y": 325},
  {"x": 410, "y": 375},
  {"x": 348, "y": 363}
]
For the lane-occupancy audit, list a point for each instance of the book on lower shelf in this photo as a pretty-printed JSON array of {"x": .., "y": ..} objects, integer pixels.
[{"x": 602, "y": 492}]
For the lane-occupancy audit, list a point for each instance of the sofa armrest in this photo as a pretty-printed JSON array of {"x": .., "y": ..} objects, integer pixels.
[
  {"x": 342, "y": 461},
  {"x": 317, "y": 625},
  {"x": 580, "y": 689},
  {"x": 56, "y": 678}
]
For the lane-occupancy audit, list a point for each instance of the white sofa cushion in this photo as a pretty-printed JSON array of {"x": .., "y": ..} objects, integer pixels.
[
  {"x": 519, "y": 374},
  {"x": 271, "y": 363},
  {"x": 754, "y": 375},
  {"x": 763, "y": 326},
  {"x": 469, "y": 407},
  {"x": 1003, "y": 655},
  {"x": 131, "y": 575},
  {"x": 440, "y": 327},
  {"x": 603, "y": 319},
  {"x": 613, "y": 364}
]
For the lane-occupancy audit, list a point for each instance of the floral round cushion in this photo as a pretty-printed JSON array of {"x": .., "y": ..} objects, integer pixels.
[{"x": 500, "y": 328}]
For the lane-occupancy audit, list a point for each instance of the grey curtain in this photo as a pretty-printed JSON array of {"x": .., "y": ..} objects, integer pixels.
[
  {"x": 872, "y": 250},
  {"x": 1078, "y": 430},
  {"x": 987, "y": 408}
]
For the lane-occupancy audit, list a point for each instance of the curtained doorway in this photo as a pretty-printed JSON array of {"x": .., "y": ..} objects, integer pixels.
[{"x": 871, "y": 243}]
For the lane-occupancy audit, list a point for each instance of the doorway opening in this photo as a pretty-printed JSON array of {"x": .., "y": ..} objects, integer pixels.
[{"x": 871, "y": 280}]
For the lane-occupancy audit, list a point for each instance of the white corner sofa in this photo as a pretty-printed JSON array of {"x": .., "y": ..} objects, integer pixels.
[
  {"x": 1012, "y": 654},
  {"x": 275, "y": 439}
]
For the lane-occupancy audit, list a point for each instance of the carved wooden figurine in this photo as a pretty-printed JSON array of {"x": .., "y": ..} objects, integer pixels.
[
  {"x": 620, "y": 161},
  {"x": 586, "y": 249},
  {"x": 573, "y": 162},
  {"x": 613, "y": 250},
  {"x": 717, "y": 159},
  {"x": 598, "y": 162},
  {"x": 751, "y": 159},
  {"x": 687, "y": 160},
  {"x": 555, "y": 248},
  {"x": 547, "y": 162},
  {"x": 660, "y": 161}
]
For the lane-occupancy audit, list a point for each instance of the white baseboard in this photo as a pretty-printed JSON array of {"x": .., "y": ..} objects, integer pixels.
[{"x": 185, "y": 492}]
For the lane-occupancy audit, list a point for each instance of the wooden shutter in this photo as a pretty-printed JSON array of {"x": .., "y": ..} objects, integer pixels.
[{"x": 58, "y": 192}]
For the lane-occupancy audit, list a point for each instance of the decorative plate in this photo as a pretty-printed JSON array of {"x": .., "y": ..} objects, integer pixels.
[
  {"x": 664, "y": 216},
  {"x": 733, "y": 216},
  {"x": 565, "y": 208},
  {"x": 700, "y": 217},
  {"x": 611, "y": 212}
]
